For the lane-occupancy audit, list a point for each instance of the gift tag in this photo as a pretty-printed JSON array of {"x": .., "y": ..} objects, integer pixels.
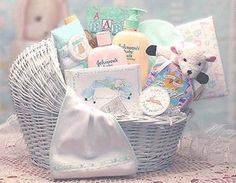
[{"x": 154, "y": 100}]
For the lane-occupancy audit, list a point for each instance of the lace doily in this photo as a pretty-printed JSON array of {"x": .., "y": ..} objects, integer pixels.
[{"x": 15, "y": 165}]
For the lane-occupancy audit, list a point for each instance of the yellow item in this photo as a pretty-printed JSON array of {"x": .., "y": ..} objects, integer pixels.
[
  {"x": 134, "y": 44},
  {"x": 70, "y": 19}
]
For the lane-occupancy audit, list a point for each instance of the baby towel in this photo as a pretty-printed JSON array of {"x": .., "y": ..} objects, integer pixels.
[{"x": 88, "y": 143}]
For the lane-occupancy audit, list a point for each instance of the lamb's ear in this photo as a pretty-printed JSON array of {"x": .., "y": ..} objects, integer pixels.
[
  {"x": 202, "y": 78},
  {"x": 174, "y": 50},
  {"x": 151, "y": 50},
  {"x": 211, "y": 59}
]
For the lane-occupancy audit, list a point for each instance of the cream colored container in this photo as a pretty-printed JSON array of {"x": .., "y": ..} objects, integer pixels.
[{"x": 134, "y": 43}]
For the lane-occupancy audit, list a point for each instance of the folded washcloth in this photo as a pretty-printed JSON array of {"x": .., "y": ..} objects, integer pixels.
[{"x": 88, "y": 143}]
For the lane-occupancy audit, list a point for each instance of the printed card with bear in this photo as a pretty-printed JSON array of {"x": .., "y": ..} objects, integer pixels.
[
  {"x": 98, "y": 86},
  {"x": 202, "y": 34}
]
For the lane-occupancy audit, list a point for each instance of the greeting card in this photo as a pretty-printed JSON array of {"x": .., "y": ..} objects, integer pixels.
[{"x": 98, "y": 86}]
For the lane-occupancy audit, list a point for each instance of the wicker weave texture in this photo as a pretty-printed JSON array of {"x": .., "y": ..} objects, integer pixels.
[
  {"x": 155, "y": 143},
  {"x": 38, "y": 89}
]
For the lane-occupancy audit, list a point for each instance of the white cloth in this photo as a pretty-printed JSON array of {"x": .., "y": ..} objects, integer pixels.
[{"x": 88, "y": 143}]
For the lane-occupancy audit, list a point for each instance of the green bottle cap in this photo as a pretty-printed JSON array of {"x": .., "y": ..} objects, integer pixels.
[{"x": 132, "y": 22}]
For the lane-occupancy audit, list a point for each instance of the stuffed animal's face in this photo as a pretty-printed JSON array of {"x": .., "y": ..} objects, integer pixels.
[{"x": 192, "y": 62}]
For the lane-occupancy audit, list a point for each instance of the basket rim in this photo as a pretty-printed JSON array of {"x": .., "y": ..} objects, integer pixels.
[{"x": 161, "y": 120}]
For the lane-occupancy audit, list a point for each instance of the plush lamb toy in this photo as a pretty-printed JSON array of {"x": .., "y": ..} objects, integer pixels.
[{"x": 191, "y": 60}]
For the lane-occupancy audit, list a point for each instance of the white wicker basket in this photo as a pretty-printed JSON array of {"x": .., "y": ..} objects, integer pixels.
[{"x": 38, "y": 89}]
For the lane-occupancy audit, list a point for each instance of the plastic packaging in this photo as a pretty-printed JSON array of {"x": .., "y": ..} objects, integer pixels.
[
  {"x": 72, "y": 44},
  {"x": 106, "y": 54},
  {"x": 134, "y": 43}
]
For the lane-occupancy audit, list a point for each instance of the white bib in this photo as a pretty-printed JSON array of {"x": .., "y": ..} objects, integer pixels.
[{"x": 88, "y": 143}]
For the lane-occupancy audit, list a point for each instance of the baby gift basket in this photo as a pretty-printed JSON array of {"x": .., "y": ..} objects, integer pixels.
[{"x": 38, "y": 88}]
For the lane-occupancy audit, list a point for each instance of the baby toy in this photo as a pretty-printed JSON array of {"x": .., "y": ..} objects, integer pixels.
[
  {"x": 191, "y": 60},
  {"x": 120, "y": 86},
  {"x": 34, "y": 21}
]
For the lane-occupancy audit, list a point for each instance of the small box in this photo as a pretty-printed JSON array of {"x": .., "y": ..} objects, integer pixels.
[
  {"x": 98, "y": 86},
  {"x": 106, "y": 19}
]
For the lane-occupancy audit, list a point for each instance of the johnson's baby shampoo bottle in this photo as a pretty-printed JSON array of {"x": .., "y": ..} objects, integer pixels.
[{"x": 134, "y": 43}]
